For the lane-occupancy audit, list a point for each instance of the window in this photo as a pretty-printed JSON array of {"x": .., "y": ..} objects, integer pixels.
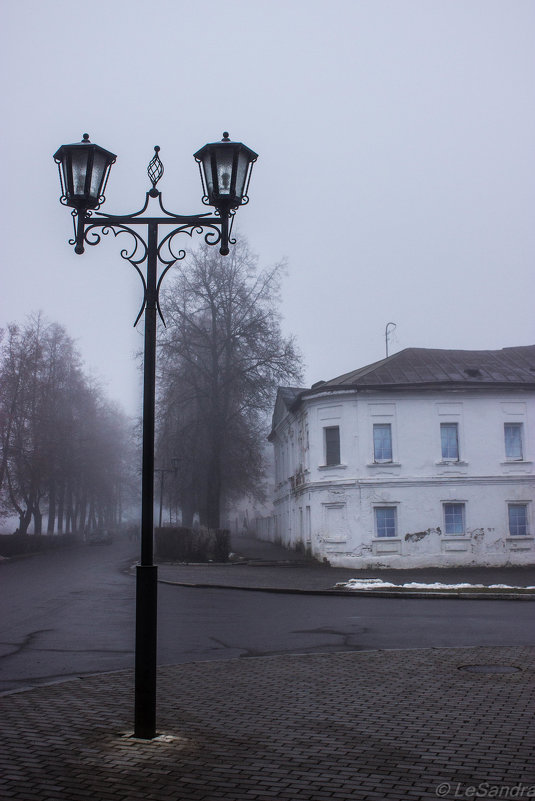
[
  {"x": 513, "y": 441},
  {"x": 385, "y": 521},
  {"x": 382, "y": 442},
  {"x": 332, "y": 445},
  {"x": 454, "y": 518},
  {"x": 518, "y": 519},
  {"x": 449, "y": 440}
]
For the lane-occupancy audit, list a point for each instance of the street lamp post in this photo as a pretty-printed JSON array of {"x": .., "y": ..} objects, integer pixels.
[{"x": 84, "y": 169}]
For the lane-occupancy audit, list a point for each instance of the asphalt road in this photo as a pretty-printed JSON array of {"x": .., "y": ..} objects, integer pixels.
[
  {"x": 66, "y": 613},
  {"x": 71, "y": 613}
]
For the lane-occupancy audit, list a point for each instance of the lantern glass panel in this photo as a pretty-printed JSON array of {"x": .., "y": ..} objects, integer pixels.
[
  {"x": 224, "y": 158},
  {"x": 80, "y": 158},
  {"x": 207, "y": 171},
  {"x": 97, "y": 176},
  {"x": 241, "y": 174}
]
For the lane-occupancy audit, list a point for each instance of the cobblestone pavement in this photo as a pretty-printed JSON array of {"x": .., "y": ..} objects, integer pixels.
[{"x": 366, "y": 725}]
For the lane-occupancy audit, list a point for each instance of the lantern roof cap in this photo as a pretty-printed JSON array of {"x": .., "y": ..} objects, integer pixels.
[
  {"x": 85, "y": 141},
  {"x": 225, "y": 140}
]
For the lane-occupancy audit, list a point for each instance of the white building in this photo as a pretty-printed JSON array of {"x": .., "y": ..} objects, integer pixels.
[{"x": 422, "y": 459}]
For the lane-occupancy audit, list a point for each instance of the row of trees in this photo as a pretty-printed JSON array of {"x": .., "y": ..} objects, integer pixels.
[
  {"x": 66, "y": 452},
  {"x": 221, "y": 358},
  {"x": 67, "y": 458}
]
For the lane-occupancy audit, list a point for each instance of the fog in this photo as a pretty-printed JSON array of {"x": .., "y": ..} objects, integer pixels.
[{"x": 395, "y": 171}]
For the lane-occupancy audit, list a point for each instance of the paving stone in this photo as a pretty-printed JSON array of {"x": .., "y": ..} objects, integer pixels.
[{"x": 323, "y": 727}]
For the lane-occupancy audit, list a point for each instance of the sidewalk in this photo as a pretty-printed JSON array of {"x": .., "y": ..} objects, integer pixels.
[
  {"x": 264, "y": 565},
  {"x": 369, "y": 725}
]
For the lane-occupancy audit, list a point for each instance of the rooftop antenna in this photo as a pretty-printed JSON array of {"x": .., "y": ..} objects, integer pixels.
[{"x": 388, "y": 332}]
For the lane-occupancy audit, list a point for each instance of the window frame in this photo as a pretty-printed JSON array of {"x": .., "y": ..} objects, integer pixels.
[
  {"x": 385, "y": 427},
  {"x": 445, "y": 444},
  {"x": 327, "y": 446},
  {"x": 394, "y": 512},
  {"x": 462, "y": 507},
  {"x": 518, "y": 505},
  {"x": 513, "y": 426}
]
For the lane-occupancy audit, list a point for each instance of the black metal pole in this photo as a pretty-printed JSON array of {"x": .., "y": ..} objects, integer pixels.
[{"x": 147, "y": 572}]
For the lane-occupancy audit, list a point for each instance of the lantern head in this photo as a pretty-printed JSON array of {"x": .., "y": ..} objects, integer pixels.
[
  {"x": 83, "y": 171},
  {"x": 225, "y": 169}
]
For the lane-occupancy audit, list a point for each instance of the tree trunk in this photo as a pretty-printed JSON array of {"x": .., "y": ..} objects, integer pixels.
[
  {"x": 24, "y": 521},
  {"x": 51, "y": 508},
  {"x": 213, "y": 493},
  {"x": 37, "y": 520},
  {"x": 213, "y": 488},
  {"x": 187, "y": 509},
  {"x": 82, "y": 509},
  {"x": 119, "y": 507},
  {"x": 91, "y": 520},
  {"x": 68, "y": 516},
  {"x": 61, "y": 505}
]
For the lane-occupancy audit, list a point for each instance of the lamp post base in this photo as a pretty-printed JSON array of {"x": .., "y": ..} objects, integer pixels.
[{"x": 146, "y": 644}]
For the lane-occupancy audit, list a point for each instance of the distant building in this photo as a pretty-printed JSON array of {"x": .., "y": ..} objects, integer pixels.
[{"x": 422, "y": 459}]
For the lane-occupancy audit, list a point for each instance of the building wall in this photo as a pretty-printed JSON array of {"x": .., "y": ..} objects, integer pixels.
[{"x": 330, "y": 509}]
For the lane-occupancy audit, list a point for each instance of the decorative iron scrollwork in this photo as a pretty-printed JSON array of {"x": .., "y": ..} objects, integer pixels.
[
  {"x": 155, "y": 171},
  {"x": 89, "y": 229},
  {"x": 166, "y": 253},
  {"x": 136, "y": 254}
]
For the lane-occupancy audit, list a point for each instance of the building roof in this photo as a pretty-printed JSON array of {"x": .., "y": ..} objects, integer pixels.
[
  {"x": 425, "y": 368},
  {"x": 414, "y": 367},
  {"x": 289, "y": 394},
  {"x": 286, "y": 397}
]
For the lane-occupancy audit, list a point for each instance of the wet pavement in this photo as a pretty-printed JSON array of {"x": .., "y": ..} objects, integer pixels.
[
  {"x": 421, "y": 723},
  {"x": 371, "y": 725}
]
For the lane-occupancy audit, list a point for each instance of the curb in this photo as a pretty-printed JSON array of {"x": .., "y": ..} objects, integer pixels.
[{"x": 461, "y": 596}]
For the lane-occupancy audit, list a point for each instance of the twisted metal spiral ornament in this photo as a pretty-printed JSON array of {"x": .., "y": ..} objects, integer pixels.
[{"x": 155, "y": 171}]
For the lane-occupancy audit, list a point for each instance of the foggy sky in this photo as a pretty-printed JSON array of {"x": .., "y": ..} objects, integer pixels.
[{"x": 396, "y": 169}]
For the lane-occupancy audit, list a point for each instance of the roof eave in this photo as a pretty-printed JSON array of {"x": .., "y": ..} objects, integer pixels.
[{"x": 411, "y": 387}]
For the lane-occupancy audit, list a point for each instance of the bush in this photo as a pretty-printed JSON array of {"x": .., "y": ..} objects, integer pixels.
[
  {"x": 221, "y": 544},
  {"x": 181, "y": 544},
  {"x": 18, "y": 544}
]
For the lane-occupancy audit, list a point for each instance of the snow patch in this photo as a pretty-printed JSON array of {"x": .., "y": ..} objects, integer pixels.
[{"x": 376, "y": 583}]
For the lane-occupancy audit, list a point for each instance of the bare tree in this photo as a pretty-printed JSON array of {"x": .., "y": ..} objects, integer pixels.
[
  {"x": 221, "y": 359},
  {"x": 64, "y": 448}
]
